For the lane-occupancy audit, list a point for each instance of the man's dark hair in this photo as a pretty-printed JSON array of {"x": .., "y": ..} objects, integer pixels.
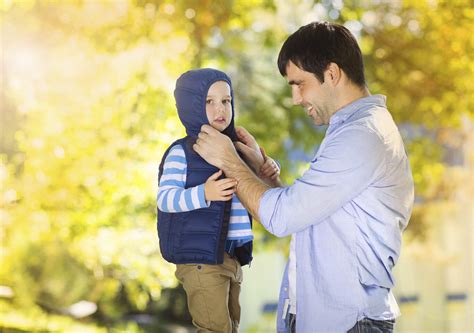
[{"x": 313, "y": 46}]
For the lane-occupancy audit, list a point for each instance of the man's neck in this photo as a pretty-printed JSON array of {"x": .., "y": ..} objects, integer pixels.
[{"x": 351, "y": 94}]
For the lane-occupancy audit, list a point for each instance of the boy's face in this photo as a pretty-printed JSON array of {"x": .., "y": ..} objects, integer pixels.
[{"x": 218, "y": 105}]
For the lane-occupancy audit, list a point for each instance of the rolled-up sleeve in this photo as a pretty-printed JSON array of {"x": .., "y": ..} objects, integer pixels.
[{"x": 346, "y": 165}]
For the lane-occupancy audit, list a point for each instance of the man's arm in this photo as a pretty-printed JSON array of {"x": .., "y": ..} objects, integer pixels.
[
  {"x": 258, "y": 161},
  {"x": 343, "y": 170},
  {"x": 218, "y": 150},
  {"x": 345, "y": 167},
  {"x": 255, "y": 157},
  {"x": 250, "y": 188}
]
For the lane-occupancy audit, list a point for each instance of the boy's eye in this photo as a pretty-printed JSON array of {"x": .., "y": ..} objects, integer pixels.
[
  {"x": 226, "y": 101},
  {"x": 208, "y": 101}
]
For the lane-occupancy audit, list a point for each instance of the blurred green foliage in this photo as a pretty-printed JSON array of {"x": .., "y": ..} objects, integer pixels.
[{"x": 87, "y": 111}]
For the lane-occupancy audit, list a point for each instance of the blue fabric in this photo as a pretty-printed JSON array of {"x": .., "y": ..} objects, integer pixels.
[
  {"x": 373, "y": 326},
  {"x": 282, "y": 311},
  {"x": 191, "y": 93},
  {"x": 197, "y": 236},
  {"x": 240, "y": 229},
  {"x": 348, "y": 211}
]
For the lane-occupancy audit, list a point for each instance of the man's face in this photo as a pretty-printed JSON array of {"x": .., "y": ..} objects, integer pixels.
[
  {"x": 308, "y": 92},
  {"x": 219, "y": 106}
]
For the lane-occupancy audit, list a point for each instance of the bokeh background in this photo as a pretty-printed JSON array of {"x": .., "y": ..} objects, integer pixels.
[{"x": 86, "y": 112}]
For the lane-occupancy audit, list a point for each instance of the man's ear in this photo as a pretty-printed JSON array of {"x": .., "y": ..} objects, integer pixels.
[{"x": 333, "y": 74}]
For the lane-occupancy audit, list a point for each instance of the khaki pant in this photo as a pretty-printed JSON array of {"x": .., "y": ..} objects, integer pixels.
[{"x": 213, "y": 294}]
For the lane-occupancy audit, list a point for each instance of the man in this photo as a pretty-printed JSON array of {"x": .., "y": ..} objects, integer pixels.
[{"x": 347, "y": 211}]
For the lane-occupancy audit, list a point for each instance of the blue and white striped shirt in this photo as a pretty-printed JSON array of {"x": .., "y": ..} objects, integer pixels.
[{"x": 174, "y": 198}]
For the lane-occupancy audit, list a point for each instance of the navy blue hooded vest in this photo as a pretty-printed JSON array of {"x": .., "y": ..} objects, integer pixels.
[{"x": 197, "y": 236}]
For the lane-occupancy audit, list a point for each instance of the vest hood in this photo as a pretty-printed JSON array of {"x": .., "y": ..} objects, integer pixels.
[{"x": 190, "y": 95}]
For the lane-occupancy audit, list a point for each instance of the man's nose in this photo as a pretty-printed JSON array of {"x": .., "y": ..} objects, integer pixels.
[{"x": 297, "y": 99}]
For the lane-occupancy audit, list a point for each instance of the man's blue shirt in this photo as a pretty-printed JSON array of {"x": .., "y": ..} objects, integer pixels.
[{"x": 348, "y": 211}]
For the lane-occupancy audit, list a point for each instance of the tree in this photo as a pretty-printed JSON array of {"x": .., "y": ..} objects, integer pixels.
[{"x": 87, "y": 111}]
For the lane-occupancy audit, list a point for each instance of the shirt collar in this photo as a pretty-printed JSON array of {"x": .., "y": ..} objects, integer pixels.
[{"x": 348, "y": 110}]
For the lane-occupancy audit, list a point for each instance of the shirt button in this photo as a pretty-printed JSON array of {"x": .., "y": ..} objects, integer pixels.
[{"x": 199, "y": 267}]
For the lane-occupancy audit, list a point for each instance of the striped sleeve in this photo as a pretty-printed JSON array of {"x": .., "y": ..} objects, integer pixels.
[
  {"x": 172, "y": 196},
  {"x": 240, "y": 229}
]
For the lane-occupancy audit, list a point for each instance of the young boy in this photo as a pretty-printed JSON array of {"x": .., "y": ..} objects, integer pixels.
[{"x": 203, "y": 228}]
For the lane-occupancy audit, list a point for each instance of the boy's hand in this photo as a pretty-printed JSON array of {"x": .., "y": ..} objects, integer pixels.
[
  {"x": 269, "y": 169},
  {"x": 219, "y": 190}
]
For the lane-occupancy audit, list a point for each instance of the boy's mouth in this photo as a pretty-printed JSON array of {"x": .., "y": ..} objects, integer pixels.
[{"x": 220, "y": 120}]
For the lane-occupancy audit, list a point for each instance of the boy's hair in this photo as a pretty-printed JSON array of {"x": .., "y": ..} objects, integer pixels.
[{"x": 313, "y": 46}]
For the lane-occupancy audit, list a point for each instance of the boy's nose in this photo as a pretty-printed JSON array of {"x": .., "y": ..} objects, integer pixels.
[{"x": 220, "y": 107}]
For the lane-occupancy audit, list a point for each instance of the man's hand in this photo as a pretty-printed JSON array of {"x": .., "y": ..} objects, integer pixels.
[
  {"x": 270, "y": 168},
  {"x": 219, "y": 190},
  {"x": 246, "y": 138},
  {"x": 249, "y": 149},
  {"x": 216, "y": 148}
]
